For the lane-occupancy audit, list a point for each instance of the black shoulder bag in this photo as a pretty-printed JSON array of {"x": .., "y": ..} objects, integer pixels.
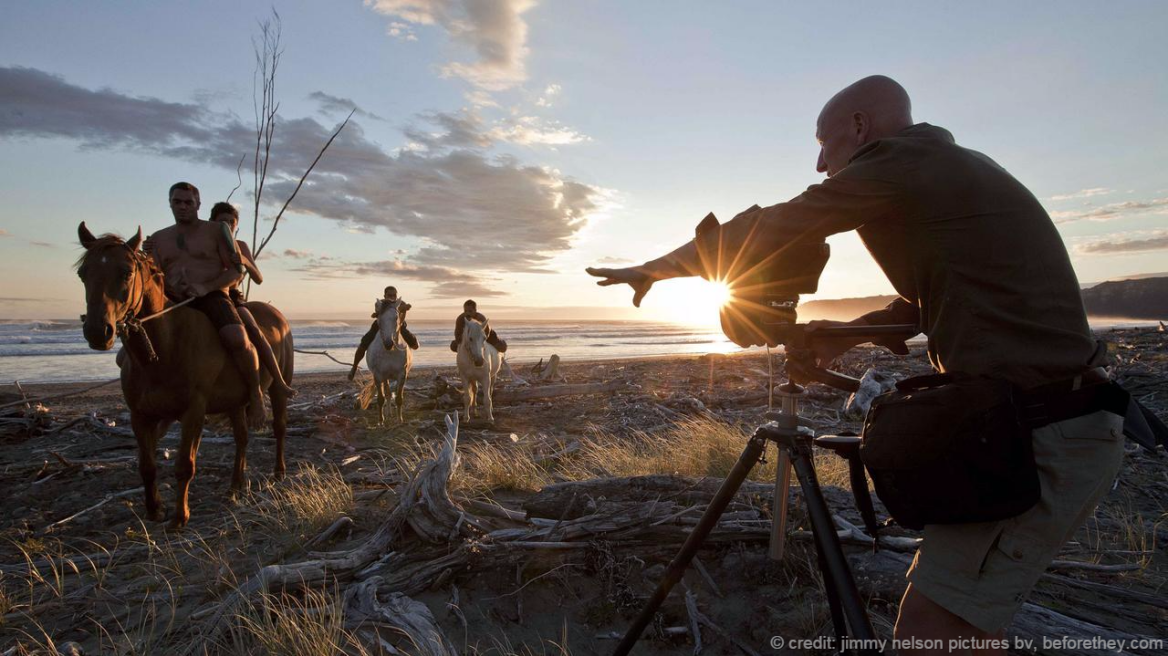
[{"x": 949, "y": 449}]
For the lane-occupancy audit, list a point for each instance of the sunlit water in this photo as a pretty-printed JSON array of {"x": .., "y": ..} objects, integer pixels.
[
  {"x": 54, "y": 351},
  {"x": 46, "y": 351}
]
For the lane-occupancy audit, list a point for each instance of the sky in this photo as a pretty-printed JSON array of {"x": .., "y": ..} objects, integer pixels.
[{"x": 498, "y": 147}]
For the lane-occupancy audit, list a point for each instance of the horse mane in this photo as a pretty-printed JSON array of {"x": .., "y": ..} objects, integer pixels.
[
  {"x": 110, "y": 239},
  {"x": 381, "y": 305}
]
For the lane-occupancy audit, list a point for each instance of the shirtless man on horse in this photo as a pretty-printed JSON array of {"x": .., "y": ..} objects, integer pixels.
[{"x": 201, "y": 260}]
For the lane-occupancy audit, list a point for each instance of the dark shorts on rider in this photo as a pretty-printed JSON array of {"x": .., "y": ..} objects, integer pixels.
[
  {"x": 236, "y": 297},
  {"x": 218, "y": 308}
]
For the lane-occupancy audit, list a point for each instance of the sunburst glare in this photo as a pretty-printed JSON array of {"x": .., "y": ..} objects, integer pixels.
[{"x": 688, "y": 300}]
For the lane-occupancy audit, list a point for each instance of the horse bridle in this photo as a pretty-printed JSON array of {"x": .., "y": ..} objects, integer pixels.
[{"x": 130, "y": 325}]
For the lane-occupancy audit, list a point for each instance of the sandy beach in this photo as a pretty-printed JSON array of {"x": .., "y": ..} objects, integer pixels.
[{"x": 80, "y": 564}]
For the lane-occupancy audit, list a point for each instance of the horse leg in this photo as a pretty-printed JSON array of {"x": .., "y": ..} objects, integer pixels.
[
  {"x": 466, "y": 399},
  {"x": 400, "y": 397},
  {"x": 488, "y": 402},
  {"x": 184, "y": 465},
  {"x": 381, "y": 385},
  {"x": 279, "y": 429},
  {"x": 238, "y": 418},
  {"x": 146, "y": 432}
]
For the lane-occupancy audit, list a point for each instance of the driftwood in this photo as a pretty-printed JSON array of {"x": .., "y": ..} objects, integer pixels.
[
  {"x": 409, "y": 623},
  {"x": 549, "y": 371},
  {"x": 576, "y": 499},
  {"x": 423, "y": 504},
  {"x": 27, "y": 401},
  {"x": 1033, "y": 623},
  {"x": 549, "y": 391}
]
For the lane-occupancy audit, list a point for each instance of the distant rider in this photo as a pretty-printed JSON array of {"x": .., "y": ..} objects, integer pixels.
[
  {"x": 390, "y": 296},
  {"x": 470, "y": 311}
]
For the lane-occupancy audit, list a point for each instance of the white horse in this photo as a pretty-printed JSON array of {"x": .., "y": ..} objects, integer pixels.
[
  {"x": 478, "y": 364},
  {"x": 389, "y": 358}
]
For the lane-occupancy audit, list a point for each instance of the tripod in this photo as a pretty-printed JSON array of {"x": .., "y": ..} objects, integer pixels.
[{"x": 794, "y": 439}]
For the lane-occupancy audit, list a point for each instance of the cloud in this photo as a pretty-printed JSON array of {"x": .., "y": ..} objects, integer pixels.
[
  {"x": 5, "y": 233},
  {"x": 330, "y": 104},
  {"x": 448, "y": 283},
  {"x": 549, "y": 92},
  {"x": 614, "y": 260},
  {"x": 42, "y": 244},
  {"x": 530, "y": 130},
  {"x": 1084, "y": 193},
  {"x": 471, "y": 211},
  {"x": 480, "y": 99},
  {"x": 1113, "y": 211},
  {"x": 296, "y": 255},
  {"x": 467, "y": 129},
  {"x": 461, "y": 130},
  {"x": 401, "y": 31},
  {"x": 493, "y": 29},
  {"x": 1142, "y": 242}
]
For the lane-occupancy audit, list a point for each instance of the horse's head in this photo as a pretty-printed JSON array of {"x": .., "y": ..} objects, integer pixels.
[
  {"x": 473, "y": 337},
  {"x": 388, "y": 322},
  {"x": 114, "y": 272}
]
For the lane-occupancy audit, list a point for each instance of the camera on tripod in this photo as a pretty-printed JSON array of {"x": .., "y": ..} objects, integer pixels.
[{"x": 765, "y": 278}]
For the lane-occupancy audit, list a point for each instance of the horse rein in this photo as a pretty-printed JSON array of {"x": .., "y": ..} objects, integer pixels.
[{"x": 131, "y": 324}]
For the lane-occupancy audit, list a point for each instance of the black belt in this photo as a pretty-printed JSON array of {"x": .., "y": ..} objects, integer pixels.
[{"x": 1085, "y": 394}]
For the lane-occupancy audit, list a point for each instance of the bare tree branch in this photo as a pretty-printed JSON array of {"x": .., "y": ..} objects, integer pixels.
[
  {"x": 328, "y": 143},
  {"x": 238, "y": 177}
]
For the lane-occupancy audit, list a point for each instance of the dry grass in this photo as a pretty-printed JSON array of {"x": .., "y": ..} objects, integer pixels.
[
  {"x": 696, "y": 447},
  {"x": 309, "y": 624},
  {"x": 303, "y": 504},
  {"x": 487, "y": 467},
  {"x": 1131, "y": 534}
]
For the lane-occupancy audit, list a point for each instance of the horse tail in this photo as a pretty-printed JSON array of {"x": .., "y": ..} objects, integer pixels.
[{"x": 287, "y": 366}]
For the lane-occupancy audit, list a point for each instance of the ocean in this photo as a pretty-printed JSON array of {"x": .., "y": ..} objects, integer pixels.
[{"x": 55, "y": 351}]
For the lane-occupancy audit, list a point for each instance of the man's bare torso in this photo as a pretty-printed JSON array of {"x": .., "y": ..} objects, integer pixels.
[{"x": 190, "y": 253}]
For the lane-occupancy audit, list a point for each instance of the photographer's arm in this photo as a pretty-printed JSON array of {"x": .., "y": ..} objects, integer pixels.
[
  {"x": 898, "y": 312},
  {"x": 840, "y": 203}
]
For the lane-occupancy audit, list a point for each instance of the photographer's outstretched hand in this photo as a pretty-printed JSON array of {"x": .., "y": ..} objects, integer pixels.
[{"x": 634, "y": 277}]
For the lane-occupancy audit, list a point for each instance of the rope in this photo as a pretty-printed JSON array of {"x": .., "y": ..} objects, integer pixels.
[
  {"x": 165, "y": 310},
  {"x": 325, "y": 354}
]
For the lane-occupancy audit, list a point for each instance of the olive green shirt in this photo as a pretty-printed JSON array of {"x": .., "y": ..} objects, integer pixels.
[{"x": 975, "y": 258}]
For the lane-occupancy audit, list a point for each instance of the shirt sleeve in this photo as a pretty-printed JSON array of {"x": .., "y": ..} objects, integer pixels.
[{"x": 861, "y": 192}]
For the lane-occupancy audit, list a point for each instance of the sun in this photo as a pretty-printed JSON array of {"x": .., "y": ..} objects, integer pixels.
[{"x": 688, "y": 300}]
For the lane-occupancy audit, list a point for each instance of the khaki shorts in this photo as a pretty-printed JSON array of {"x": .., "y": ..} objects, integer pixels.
[{"x": 982, "y": 572}]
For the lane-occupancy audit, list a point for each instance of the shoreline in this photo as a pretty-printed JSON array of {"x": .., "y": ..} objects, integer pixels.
[{"x": 318, "y": 378}]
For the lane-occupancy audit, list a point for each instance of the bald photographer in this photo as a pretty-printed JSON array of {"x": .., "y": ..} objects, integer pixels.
[{"x": 981, "y": 270}]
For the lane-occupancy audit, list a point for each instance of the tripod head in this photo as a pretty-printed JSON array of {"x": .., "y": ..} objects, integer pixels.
[{"x": 800, "y": 363}]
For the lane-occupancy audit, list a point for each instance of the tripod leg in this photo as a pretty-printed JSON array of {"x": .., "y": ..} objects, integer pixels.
[
  {"x": 709, "y": 520},
  {"x": 833, "y": 601},
  {"x": 828, "y": 544},
  {"x": 782, "y": 494}
]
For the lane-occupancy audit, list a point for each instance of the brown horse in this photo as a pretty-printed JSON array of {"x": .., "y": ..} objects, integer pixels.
[{"x": 176, "y": 370}]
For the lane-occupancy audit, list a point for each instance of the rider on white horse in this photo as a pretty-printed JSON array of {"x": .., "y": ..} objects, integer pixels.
[
  {"x": 470, "y": 311},
  {"x": 390, "y": 296}
]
